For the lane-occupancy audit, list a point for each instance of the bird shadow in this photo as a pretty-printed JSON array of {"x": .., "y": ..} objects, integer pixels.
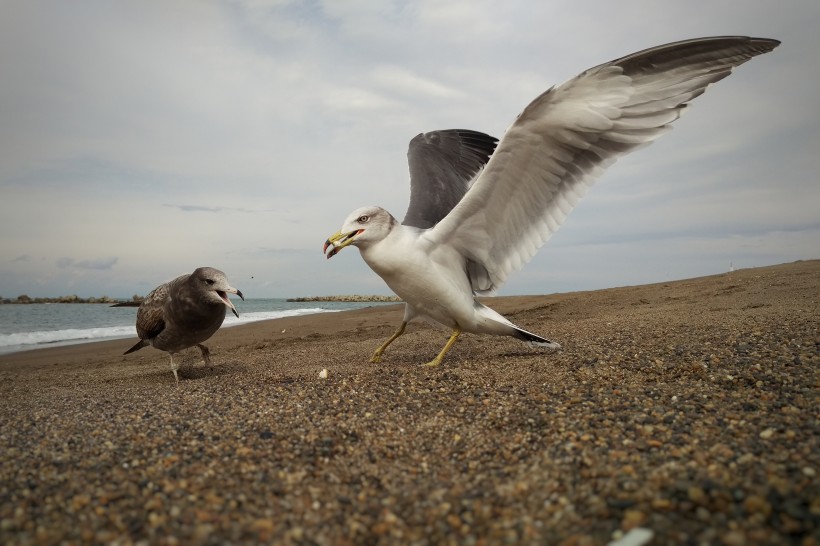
[
  {"x": 188, "y": 372},
  {"x": 204, "y": 371}
]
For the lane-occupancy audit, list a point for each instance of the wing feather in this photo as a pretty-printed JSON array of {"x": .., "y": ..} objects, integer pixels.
[
  {"x": 443, "y": 164},
  {"x": 151, "y": 314},
  {"x": 150, "y": 321},
  {"x": 567, "y": 137}
]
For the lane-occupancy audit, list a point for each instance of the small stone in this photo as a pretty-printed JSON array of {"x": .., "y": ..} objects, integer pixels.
[
  {"x": 264, "y": 528},
  {"x": 323, "y": 374},
  {"x": 632, "y": 519},
  {"x": 790, "y": 524},
  {"x": 809, "y": 471},
  {"x": 635, "y": 537},
  {"x": 746, "y": 458},
  {"x": 703, "y": 514},
  {"x": 577, "y": 540},
  {"x": 79, "y": 502},
  {"x": 733, "y": 538},
  {"x": 755, "y": 504},
  {"x": 766, "y": 434},
  {"x": 696, "y": 495}
]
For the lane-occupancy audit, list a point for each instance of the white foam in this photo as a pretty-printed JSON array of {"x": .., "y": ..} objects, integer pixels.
[
  {"x": 10, "y": 343},
  {"x": 245, "y": 318},
  {"x": 21, "y": 341}
]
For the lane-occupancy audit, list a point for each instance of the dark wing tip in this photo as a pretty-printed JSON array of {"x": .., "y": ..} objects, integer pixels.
[
  {"x": 442, "y": 165},
  {"x": 467, "y": 142},
  {"x": 738, "y": 48}
]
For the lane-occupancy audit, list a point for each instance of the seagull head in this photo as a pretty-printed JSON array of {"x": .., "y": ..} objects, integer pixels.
[
  {"x": 215, "y": 285},
  {"x": 363, "y": 226}
]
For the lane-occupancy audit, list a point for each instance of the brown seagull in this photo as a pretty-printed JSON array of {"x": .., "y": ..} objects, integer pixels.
[{"x": 184, "y": 312}]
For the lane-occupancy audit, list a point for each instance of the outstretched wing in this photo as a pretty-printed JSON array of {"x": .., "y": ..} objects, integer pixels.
[
  {"x": 442, "y": 166},
  {"x": 566, "y": 137}
]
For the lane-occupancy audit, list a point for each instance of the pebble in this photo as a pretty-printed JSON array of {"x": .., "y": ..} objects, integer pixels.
[
  {"x": 635, "y": 537},
  {"x": 499, "y": 445},
  {"x": 733, "y": 538}
]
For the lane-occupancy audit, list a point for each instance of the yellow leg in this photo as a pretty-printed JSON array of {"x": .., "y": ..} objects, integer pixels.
[
  {"x": 377, "y": 356},
  {"x": 447, "y": 346}
]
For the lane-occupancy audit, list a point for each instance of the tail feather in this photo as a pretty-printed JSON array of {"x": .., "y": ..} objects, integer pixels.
[
  {"x": 534, "y": 340},
  {"x": 140, "y": 344},
  {"x": 500, "y": 325}
]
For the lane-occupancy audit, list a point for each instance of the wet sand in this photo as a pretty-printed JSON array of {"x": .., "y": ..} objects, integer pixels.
[{"x": 688, "y": 408}]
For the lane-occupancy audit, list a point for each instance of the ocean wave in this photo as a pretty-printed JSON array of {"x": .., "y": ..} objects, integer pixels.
[
  {"x": 31, "y": 340},
  {"x": 244, "y": 318},
  {"x": 22, "y": 341}
]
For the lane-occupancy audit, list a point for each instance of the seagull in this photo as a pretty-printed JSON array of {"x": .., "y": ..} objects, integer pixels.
[
  {"x": 185, "y": 312},
  {"x": 472, "y": 222}
]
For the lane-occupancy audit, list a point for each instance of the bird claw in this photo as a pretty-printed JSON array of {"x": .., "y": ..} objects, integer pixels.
[{"x": 206, "y": 354}]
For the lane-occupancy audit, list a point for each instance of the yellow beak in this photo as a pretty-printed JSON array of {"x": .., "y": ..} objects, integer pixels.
[{"x": 338, "y": 241}]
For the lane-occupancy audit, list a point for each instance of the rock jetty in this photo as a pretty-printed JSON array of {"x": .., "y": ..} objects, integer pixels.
[
  {"x": 25, "y": 299},
  {"x": 378, "y": 299}
]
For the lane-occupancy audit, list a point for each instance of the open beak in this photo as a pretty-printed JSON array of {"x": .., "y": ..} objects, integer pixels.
[
  {"x": 338, "y": 241},
  {"x": 227, "y": 302}
]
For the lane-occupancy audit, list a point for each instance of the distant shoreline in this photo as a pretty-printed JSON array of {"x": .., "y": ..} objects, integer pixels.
[
  {"x": 136, "y": 301},
  {"x": 352, "y": 298},
  {"x": 25, "y": 300}
]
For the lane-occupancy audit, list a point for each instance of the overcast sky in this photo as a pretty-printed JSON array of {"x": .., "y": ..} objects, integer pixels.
[{"x": 139, "y": 140}]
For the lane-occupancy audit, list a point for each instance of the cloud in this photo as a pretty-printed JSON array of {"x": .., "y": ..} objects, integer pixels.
[
  {"x": 407, "y": 83},
  {"x": 270, "y": 251},
  {"x": 102, "y": 264},
  {"x": 200, "y": 208},
  {"x": 299, "y": 112}
]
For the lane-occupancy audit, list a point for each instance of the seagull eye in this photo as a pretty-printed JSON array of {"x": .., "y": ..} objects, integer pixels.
[
  {"x": 210, "y": 281},
  {"x": 363, "y": 219}
]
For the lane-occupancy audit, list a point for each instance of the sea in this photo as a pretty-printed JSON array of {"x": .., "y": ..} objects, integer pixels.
[{"x": 36, "y": 325}]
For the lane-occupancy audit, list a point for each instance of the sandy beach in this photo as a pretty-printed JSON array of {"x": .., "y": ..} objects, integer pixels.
[{"x": 688, "y": 408}]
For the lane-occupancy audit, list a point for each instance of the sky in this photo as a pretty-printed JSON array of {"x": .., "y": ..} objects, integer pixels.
[{"x": 142, "y": 139}]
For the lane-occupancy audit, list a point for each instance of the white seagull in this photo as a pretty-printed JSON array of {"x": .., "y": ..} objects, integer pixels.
[
  {"x": 470, "y": 225},
  {"x": 184, "y": 312}
]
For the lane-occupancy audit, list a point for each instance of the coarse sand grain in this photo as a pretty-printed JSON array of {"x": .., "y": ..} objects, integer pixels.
[{"x": 688, "y": 408}]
